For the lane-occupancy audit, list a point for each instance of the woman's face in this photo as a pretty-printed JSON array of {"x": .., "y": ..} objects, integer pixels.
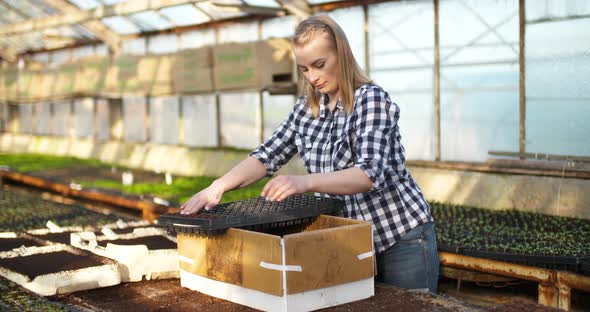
[{"x": 318, "y": 62}]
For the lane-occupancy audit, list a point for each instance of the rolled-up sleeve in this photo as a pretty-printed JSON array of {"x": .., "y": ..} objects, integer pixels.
[
  {"x": 374, "y": 125},
  {"x": 280, "y": 147}
]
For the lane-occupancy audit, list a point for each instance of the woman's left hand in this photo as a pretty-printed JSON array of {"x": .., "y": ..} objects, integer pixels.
[{"x": 281, "y": 187}]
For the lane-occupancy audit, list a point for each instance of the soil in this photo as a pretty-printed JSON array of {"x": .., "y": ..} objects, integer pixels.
[
  {"x": 40, "y": 264},
  {"x": 89, "y": 174},
  {"x": 7, "y": 244},
  {"x": 168, "y": 295},
  {"x": 151, "y": 242},
  {"x": 61, "y": 238}
]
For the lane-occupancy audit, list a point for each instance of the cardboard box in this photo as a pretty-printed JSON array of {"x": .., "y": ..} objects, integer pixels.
[
  {"x": 329, "y": 263},
  {"x": 192, "y": 71},
  {"x": 25, "y": 89},
  {"x": 91, "y": 76},
  {"x": 47, "y": 87},
  {"x": 122, "y": 75},
  {"x": 11, "y": 83},
  {"x": 65, "y": 77},
  {"x": 155, "y": 74},
  {"x": 252, "y": 65}
]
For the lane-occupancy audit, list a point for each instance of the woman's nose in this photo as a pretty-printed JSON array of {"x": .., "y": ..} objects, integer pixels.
[{"x": 313, "y": 78}]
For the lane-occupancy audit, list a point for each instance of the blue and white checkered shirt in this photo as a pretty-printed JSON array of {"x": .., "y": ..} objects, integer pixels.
[{"x": 369, "y": 139}]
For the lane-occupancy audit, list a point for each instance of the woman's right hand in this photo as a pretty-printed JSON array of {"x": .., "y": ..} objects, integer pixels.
[{"x": 206, "y": 198}]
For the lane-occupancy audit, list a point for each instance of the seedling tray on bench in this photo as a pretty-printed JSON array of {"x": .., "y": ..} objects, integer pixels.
[{"x": 255, "y": 213}]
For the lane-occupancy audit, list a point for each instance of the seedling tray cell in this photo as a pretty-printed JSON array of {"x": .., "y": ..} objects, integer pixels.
[{"x": 254, "y": 213}]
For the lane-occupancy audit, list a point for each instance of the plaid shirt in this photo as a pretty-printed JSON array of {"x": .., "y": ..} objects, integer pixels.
[{"x": 369, "y": 139}]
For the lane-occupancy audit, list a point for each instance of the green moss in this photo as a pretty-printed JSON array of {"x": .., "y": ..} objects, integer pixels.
[
  {"x": 37, "y": 162},
  {"x": 181, "y": 189}
]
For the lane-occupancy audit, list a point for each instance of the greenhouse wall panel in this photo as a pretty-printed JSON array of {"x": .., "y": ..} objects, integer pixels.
[
  {"x": 240, "y": 119},
  {"x": 199, "y": 120}
]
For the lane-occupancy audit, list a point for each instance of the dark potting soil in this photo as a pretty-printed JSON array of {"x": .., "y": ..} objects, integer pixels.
[
  {"x": 168, "y": 295},
  {"x": 53, "y": 262},
  {"x": 7, "y": 244},
  {"x": 61, "y": 238},
  {"x": 151, "y": 242},
  {"x": 126, "y": 230}
]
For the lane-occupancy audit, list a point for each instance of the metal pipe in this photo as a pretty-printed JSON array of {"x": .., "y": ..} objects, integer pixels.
[
  {"x": 554, "y": 286},
  {"x": 522, "y": 81},
  {"x": 538, "y": 275},
  {"x": 573, "y": 280},
  {"x": 436, "y": 85}
]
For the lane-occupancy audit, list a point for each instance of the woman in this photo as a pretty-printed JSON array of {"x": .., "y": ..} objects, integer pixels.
[{"x": 345, "y": 130}]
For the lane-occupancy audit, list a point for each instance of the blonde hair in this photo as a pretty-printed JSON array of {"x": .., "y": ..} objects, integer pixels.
[{"x": 351, "y": 75}]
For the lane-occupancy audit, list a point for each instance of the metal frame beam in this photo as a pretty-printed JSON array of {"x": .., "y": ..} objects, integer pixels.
[
  {"x": 81, "y": 16},
  {"x": 109, "y": 37},
  {"x": 299, "y": 8}
]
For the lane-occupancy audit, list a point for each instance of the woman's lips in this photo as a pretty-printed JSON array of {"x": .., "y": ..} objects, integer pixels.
[{"x": 321, "y": 85}]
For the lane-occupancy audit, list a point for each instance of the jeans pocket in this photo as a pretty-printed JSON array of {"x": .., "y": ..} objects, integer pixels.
[{"x": 416, "y": 235}]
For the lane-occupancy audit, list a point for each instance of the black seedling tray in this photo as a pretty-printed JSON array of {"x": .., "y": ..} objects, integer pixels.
[{"x": 254, "y": 213}]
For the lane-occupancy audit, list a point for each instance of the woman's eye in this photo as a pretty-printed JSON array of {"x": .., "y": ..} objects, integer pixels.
[
  {"x": 303, "y": 69},
  {"x": 320, "y": 65}
]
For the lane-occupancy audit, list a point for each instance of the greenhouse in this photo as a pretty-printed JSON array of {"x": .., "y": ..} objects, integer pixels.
[{"x": 294, "y": 155}]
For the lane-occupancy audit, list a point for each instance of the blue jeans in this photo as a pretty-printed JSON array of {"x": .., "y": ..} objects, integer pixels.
[{"x": 412, "y": 262}]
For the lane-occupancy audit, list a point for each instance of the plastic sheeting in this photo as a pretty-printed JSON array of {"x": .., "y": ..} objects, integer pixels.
[
  {"x": 134, "y": 118},
  {"x": 402, "y": 53},
  {"x": 135, "y": 46},
  {"x": 280, "y": 27},
  {"x": 25, "y": 118},
  {"x": 197, "y": 38},
  {"x": 84, "y": 117},
  {"x": 240, "y": 119},
  {"x": 103, "y": 127},
  {"x": 479, "y": 78},
  {"x": 43, "y": 118},
  {"x": 163, "y": 44},
  {"x": 62, "y": 118},
  {"x": 243, "y": 32},
  {"x": 199, "y": 120},
  {"x": 164, "y": 120},
  {"x": 276, "y": 109},
  {"x": 557, "y": 85},
  {"x": 352, "y": 21}
]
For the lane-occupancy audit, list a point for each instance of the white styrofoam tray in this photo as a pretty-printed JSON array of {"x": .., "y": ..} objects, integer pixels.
[
  {"x": 135, "y": 261},
  {"x": 61, "y": 282}
]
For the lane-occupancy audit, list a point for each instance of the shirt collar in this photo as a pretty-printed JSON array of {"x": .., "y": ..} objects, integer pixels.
[{"x": 324, "y": 111}]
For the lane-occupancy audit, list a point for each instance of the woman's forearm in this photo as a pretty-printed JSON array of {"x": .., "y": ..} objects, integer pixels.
[
  {"x": 344, "y": 182},
  {"x": 243, "y": 174}
]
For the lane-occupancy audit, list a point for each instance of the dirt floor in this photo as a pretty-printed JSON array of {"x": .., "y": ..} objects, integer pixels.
[{"x": 168, "y": 295}]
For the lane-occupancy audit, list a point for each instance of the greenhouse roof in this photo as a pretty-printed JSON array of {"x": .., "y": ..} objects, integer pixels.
[{"x": 38, "y": 25}]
